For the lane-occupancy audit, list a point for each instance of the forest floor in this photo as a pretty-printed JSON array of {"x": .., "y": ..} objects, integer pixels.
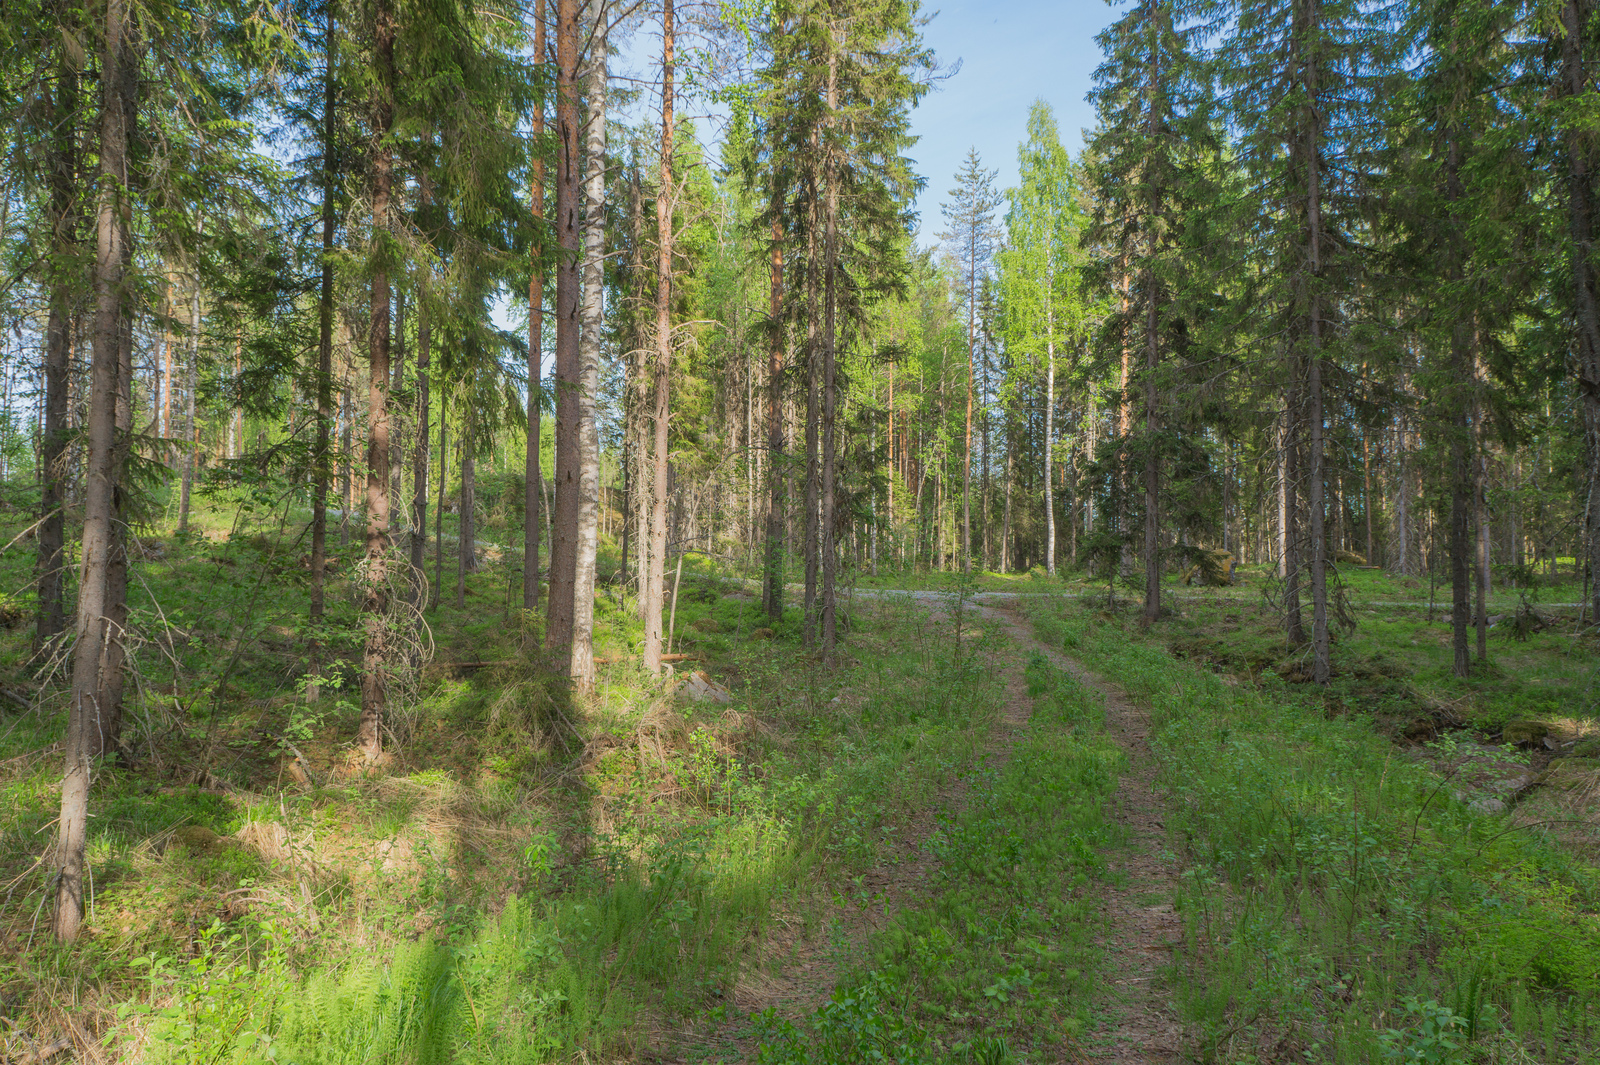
[{"x": 1027, "y": 831}]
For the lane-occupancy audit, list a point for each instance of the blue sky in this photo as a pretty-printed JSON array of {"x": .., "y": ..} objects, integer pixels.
[{"x": 1012, "y": 52}]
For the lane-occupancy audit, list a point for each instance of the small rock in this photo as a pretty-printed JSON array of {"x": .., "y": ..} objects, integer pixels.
[
  {"x": 1488, "y": 805},
  {"x": 702, "y": 689},
  {"x": 1421, "y": 729},
  {"x": 200, "y": 839},
  {"x": 1520, "y": 732}
]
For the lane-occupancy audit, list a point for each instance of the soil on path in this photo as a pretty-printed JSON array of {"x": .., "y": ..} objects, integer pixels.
[{"x": 1141, "y": 929}]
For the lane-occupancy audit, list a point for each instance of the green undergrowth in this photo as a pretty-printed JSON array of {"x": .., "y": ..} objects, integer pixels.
[
  {"x": 1341, "y": 904},
  {"x": 996, "y": 962},
  {"x": 639, "y": 880}
]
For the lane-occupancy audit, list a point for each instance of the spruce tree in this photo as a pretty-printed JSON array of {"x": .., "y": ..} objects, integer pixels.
[
  {"x": 1301, "y": 78},
  {"x": 1151, "y": 151}
]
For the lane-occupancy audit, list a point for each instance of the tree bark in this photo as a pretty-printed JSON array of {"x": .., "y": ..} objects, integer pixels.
[
  {"x": 813, "y": 531},
  {"x": 655, "y": 592},
  {"x": 1575, "y": 82},
  {"x": 582, "y": 663},
  {"x": 85, "y": 720},
  {"x": 1321, "y": 668},
  {"x": 966, "y": 459},
  {"x": 1289, "y": 511},
  {"x": 63, "y": 177},
  {"x": 1049, "y": 436},
  {"x": 189, "y": 437},
  {"x": 830, "y": 382},
  {"x": 533, "y": 470},
  {"x": 466, "y": 530},
  {"x": 772, "y": 576},
  {"x": 321, "y": 458},
  {"x": 438, "y": 510},
  {"x": 564, "y": 523},
  {"x": 1152, "y": 454},
  {"x": 375, "y": 600},
  {"x": 419, "y": 460}
]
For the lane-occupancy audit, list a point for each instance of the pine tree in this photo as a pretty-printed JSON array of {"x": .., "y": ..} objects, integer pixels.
[{"x": 972, "y": 238}]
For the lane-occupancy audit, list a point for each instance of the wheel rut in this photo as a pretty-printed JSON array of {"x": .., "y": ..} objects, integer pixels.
[
  {"x": 1138, "y": 1023},
  {"x": 1141, "y": 927}
]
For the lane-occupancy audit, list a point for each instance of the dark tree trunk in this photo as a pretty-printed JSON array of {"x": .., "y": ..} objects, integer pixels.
[
  {"x": 466, "y": 529},
  {"x": 772, "y": 574},
  {"x": 1575, "y": 82},
  {"x": 830, "y": 383},
  {"x": 564, "y": 526},
  {"x": 813, "y": 533},
  {"x": 1152, "y": 455},
  {"x": 397, "y": 405},
  {"x": 86, "y": 726},
  {"x": 419, "y": 459},
  {"x": 532, "y": 468},
  {"x": 322, "y": 457},
  {"x": 438, "y": 511},
  {"x": 1289, "y": 511},
  {"x": 53, "y": 442},
  {"x": 375, "y": 600}
]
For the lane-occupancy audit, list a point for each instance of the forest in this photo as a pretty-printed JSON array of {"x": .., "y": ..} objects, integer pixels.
[{"x": 523, "y": 543}]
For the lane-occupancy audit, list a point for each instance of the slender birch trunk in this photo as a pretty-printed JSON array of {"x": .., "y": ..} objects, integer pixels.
[
  {"x": 655, "y": 591},
  {"x": 582, "y": 669}
]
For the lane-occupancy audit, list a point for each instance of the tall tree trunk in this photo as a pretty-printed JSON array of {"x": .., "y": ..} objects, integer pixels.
[
  {"x": 466, "y": 528},
  {"x": 1460, "y": 546},
  {"x": 772, "y": 575},
  {"x": 55, "y": 436},
  {"x": 830, "y": 382},
  {"x": 444, "y": 483},
  {"x": 655, "y": 592},
  {"x": 1007, "y": 562},
  {"x": 171, "y": 366},
  {"x": 85, "y": 722},
  {"x": 189, "y": 438},
  {"x": 533, "y": 470},
  {"x": 1322, "y": 650},
  {"x": 397, "y": 406},
  {"x": 321, "y": 458},
  {"x": 1289, "y": 510},
  {"x": 375, "y": 598},
  {"x": 1481, "y": 517},
  {"x": 1575, "y": 83},
  {"x": 966, "y": 459},
  {"x": 564, "y": 523},
  {"x": 813, "y": 531},
  {"x": 1123, "y": 426},
  {"x": 419, "y": 459},
  {"x": 582, "y": 668},
  {"x": 108, "y": 737},
  {"x": 1152, "y": 453},
  {"x": 1049, "y": 438}
]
